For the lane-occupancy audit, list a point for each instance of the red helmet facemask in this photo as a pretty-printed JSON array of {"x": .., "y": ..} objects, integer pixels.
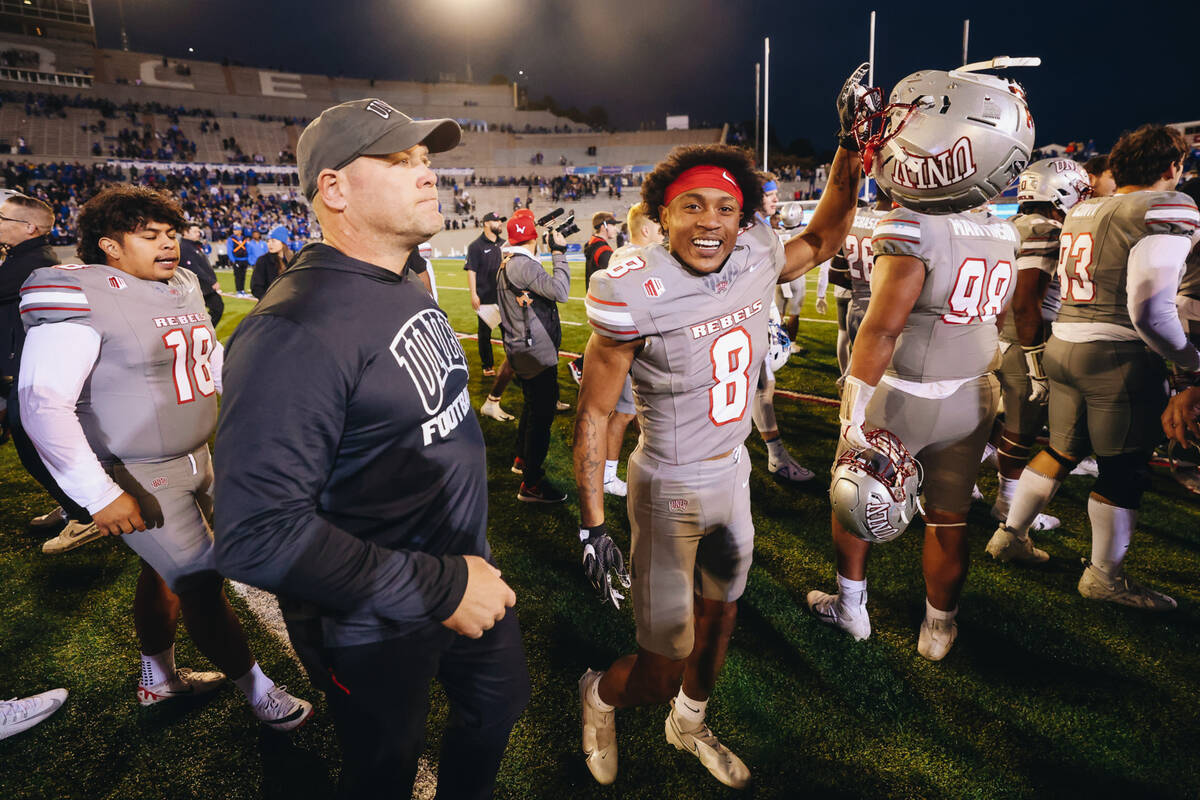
[{"x": 873, "y": 128}]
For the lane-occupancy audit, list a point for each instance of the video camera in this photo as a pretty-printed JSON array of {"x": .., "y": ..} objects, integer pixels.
[{"x": 565, "y": 228}]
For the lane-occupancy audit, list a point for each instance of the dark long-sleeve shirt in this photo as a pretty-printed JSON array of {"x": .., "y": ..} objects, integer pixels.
[
  {"x": 349, "y": 462},
  {"x": 192, "y": 256},
  {"x": 21, "y": 261}
]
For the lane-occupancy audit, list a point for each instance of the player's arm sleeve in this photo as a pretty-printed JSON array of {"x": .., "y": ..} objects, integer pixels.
[
  {"x": 271, "y": 462},
  {"x": 56, "y": 362},
  {"x": 823, "y": 280},
  {"x": 1155, "y": 263},
  {"x": 216, "y": 365},
  {"x": 1039, "y": 248},
  {"x": 526, "y": 273},
  {"x": 901, "y": 233},
  {"x": 609, "y": 311}
]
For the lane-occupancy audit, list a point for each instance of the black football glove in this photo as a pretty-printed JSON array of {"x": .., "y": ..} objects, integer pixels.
[
  {"x": 848, "y": 101},
  {"x": 604, "y": 564}
]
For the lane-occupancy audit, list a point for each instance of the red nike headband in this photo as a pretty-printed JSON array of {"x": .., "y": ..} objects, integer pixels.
[{"x": 704, "y": 177}]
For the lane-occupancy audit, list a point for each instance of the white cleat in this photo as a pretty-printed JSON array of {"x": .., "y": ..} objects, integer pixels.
[
  {"x": 829, "y": 609},
  {"x": 184, "y": 683},
  {"x": 616, "y": 487},
  {"x": 1087, "y": 467},
  {"x": 599, "y": 733},
  {"x": 789, "y": 470},
  {"x": 718, "y": 759},
  {"x": 1042, "y": 522},
  {"x": 74, "y": 534},
  {"x": 279, "y": 711},
  {"x": 937, "y": 637},
  {"x": 1007, "y": 546},
  {"x": 1095, "y": 584},
  {"x": 976, "y": 495},
  {"x": 18, "y": 715},
  {"x": 491, "y": 408},
  {"x": 561, "y": 406}
]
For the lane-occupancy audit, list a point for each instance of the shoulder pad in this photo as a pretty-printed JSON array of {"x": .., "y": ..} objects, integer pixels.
[
  {"x": 1172, "y": 213},
  {"x": 54, "y": 294},
  {"x": 901, "y": 233}
]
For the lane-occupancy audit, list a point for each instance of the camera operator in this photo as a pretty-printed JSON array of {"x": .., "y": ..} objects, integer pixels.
[{"x": 528, "y": 298}]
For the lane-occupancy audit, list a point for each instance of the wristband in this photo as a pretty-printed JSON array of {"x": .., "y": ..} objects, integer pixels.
[{"x": 593, "y": 532}]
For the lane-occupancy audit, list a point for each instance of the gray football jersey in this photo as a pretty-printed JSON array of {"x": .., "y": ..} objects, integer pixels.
[
  {"x": 1095, "y": 243},
  {"x": 857, "y": 252},
  {"x": 1038, "y": 250},
  {"x": 151, "y": 394},
  {"x": 970, "y": 274},
  {"x": 705, "y": 340}
]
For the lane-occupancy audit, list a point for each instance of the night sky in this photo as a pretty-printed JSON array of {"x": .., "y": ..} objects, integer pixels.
[{"x": 1106, "y": 68}]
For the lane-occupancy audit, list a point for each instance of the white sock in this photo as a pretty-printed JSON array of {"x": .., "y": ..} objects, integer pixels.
[
  {"x": 689, "y": 711},
  {"x": 776, "y": 452},
  {"x": 1034, "y": 493},
  {"x": 937, "y": 613},
  {"x": 852, "y": 593},
  {"x": 610, "y": 470},
  {"x": 493, "y": 399},
  {"x": 1006, "y": 490},
  {"x": 158, "y": 668},
  {"x": 254, "y": 684},
  {"x": 1112, "y": 530},
  {"x": 594, "y": 698}
]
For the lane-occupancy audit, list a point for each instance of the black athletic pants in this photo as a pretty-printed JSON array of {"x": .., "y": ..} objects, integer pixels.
[
  {"x": 33, "y": 462},
  {"x": 216, "y": 306},
  {"x": 379, "y": 696},
  {"x": 533, "y": 432},
  {"x": 486, "y": 359},
  {"x": 239, "y": 275}
]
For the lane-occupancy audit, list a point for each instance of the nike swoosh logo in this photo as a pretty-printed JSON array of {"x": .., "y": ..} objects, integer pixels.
[
  {"x": 689, "y": 708},
  {"x": 488, "y": 250}
]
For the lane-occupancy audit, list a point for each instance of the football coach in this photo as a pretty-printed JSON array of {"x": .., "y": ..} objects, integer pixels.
[{"x": 350, "y": 470}]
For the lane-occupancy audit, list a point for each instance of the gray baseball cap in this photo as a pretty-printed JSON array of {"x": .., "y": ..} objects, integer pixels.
[{"x": 368, "y": 127}]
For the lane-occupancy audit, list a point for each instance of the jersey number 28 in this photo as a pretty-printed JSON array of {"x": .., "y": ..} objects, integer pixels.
[
  {"x": 197, "y": 349},
  {"x": 731, "y": 356}
]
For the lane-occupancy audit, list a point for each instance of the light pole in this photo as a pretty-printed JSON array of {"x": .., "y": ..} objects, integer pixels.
[{"x": 124, "y": 35}]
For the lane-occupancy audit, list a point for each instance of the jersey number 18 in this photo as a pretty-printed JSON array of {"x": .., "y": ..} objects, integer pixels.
[{"x": 197, "y": 349}]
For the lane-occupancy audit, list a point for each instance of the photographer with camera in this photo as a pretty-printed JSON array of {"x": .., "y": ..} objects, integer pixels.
[{"x": 528, "y": 298}]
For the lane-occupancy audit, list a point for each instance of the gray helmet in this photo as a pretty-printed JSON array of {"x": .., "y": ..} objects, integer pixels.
[
  {"x": 791, "y": 214},
  {"x": 875, "y": 492},
  {"x": 1058, "y": 181},
  {"x": 951, "y": 141}
]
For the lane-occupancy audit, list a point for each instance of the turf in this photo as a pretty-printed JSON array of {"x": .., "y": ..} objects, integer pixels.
[{"x": 1044, "y": 693}]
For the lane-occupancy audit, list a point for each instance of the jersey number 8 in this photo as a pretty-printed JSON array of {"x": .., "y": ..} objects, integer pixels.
[
  {"x": 731, "y": 356},
  {"x": 198, "y": 350}
]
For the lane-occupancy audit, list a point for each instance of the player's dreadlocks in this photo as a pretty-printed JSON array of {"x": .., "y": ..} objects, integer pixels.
[
  {"x": 733, "y": 159},
  {"x": 119, "y": 210}
]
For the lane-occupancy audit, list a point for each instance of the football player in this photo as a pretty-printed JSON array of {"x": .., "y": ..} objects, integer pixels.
[
  {"x": 779, "y": 460},
  {"x": 1100, "y": 176},
  {"x": 1119, "y": 265},
  {"x": 1046, "y": 191},
  {"x": 118, "y": 392},
  {"x": 851, "y": 269},
  {"x": 690, "y": 320},
  {"x": 922, "y": 367}
]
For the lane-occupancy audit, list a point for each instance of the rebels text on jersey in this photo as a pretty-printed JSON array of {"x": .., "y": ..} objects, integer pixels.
[
  {"x": 151, "y": 395},
  {"x": 970, "y": 275},
  {"x": 705, "y": 338}
]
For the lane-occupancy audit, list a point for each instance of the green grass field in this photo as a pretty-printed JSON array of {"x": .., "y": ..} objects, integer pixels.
[{"x": 1045, "y": 694}]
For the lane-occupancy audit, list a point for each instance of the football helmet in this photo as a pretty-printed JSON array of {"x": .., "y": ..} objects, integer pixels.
[
  {"x": 1058, "y": 181},
  {"x": 779, "y": 345},
  {"x": 948, "y": 141},
  {"x": 791, "y": 215},
  {"x": 875, "y": 492}
]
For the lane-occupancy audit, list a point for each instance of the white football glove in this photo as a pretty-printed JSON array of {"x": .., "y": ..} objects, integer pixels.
[
  {"x": 1039, "y": 385},
  {"x": 856, "y": 395},
  {"x": 604, "y": 564},
  {"x": 822, "y": 306}
]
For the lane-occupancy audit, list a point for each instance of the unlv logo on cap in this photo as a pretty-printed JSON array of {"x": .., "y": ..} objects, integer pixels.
[
  {"x": 937, "y": 171},
  {"x": 381, "y": 108}
]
